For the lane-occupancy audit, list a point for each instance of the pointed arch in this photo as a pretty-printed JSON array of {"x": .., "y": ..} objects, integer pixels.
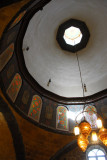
[
  {"x": 61, "y": 119},
  {"x": 91, "y": 116},
  {"x": 35, "y": 108},
  {"x": 14, "y": 87},
  {"x": 6, "y": 56}
]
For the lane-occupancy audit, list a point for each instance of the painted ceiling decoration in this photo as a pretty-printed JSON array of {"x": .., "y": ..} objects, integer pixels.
[
  {"x": 35, "y": 108},
  {"x": 14, "y": 87},
  {"x": 69, "y": 41},
  {"x": 56, "y": 106}
]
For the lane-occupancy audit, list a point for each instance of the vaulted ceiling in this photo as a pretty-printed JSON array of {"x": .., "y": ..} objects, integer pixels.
[{"x": 46, "y": 60}]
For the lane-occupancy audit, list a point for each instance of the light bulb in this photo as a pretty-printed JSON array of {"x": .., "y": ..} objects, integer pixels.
[
  {"x": 94, "y": 136},
  {"x": 76, "y": 130},
  {"x": 99, "y": 123}
]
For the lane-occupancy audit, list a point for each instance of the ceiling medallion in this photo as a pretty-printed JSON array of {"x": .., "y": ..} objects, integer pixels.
[{"x": 73, "y": 35}]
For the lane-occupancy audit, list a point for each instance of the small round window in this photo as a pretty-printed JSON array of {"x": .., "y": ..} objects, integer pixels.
[
  {"x": 96, "y": 153},
  {"x": 72, "y": 35}
]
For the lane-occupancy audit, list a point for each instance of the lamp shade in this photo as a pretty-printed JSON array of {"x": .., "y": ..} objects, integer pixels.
[
  {"x": 103, "y": 135},
  {"x": 82, "y": 142},
  {"x": 85, "y": 128},
  {"x": 94, "y": 136},
  {"x": 99, "y": 123},
  {"x": 76, "y": 130}
]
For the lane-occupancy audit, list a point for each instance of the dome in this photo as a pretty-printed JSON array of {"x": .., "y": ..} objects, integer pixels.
[
  {"x": 46, "y": 60},
  {"x": 42, "y": 75}
]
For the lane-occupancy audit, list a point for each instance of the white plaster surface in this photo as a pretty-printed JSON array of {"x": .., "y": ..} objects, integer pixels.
[{"x": 45, "y": 59}]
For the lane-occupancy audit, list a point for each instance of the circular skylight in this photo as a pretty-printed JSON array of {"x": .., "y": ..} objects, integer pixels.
[{"x": 72, "y": 36}]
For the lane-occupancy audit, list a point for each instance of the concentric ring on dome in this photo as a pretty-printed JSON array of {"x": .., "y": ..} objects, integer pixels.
[{"x": 81, "y": 26}]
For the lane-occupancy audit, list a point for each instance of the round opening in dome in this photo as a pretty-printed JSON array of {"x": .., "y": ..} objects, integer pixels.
[{"x": 72, "y": 36}]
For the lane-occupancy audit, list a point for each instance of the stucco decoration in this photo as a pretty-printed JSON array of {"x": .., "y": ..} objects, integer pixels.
[
  {"x": 18, "y": 19},
  {"x": 25, "y": 97},
  {"x": 11, "y": 37},
  {"x": 104, "y": 111},
  {"x": 10, "y": 71},
  {"x": 62, "y": 121},
  {"x": 6, "y": 55},
  {"x": 14, "y": 87},
  {"x": 48, "y": 112},
  {"x": 35, "y": 108}
]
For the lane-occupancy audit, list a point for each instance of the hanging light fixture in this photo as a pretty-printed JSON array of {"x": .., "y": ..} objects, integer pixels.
[
  {"x": 99, "y": 123},
  {"x": 82, "y": 142},
  {"x": 94, "y": 136},
  {"x": 84, "y": 129},
  {"x": 76, "y": 130},
  {"x": 103, "y": 135}
]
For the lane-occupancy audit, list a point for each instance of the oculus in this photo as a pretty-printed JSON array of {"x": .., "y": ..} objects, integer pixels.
[{"x": 73, "y": 35}]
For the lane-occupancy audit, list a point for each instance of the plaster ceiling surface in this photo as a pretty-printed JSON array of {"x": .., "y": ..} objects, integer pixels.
[{"x": 46, "y": 60}]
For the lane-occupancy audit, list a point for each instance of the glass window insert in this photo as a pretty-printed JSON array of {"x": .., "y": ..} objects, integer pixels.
[
  {"x": 92, "y": 158},
  {"x": 72, "y": 36},
  {"x": 96, "y": 154},
  {"x": 100, "y": 153},
  {"x": 101, "y": 158},
  {"x": 91, "y": 153}
]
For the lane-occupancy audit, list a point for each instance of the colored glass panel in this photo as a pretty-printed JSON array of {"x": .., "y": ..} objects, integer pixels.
[
  {"x": 35, "y": 108},
  {"x": 62, "y": 121},
  {"x": 74, "y": 110},
  {"x": 90, "y": 115},
  {"x": 6, "y": 55},
  {"x": 14, "y": 87},
  {"x": 18, "y": 19}
]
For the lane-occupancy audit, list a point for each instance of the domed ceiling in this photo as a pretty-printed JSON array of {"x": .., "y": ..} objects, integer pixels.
[
  {"x": 46, "y": 60},
  {"x": 52, "y": 99}
]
